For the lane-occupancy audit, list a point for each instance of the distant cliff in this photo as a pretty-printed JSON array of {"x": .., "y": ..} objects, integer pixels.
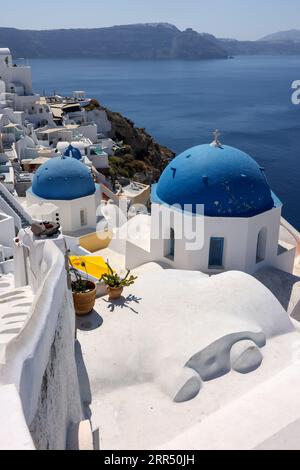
[
  {"x": 141, "y": 41},
  {"x": 291, "y": 35},
  {"x": 262, "y": 47}
]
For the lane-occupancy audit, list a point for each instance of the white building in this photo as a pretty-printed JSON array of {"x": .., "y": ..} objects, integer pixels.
[
  {"x": 17, "y": 78},
  {"x": 7, "y": 234},
  {"x": 212, "y": 211},
  {"x": 17, "y": 99},
  {"x": 98, "y": 157},
  {"x": 79, "y": 95},
  {"x": 16, "y": 85},
  {"x": 6, "y": 171},
  {"x": 67, "y": 184}
]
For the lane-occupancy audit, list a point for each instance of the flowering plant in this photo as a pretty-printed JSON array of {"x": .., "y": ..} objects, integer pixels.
[{"x": 80, "y": 285}]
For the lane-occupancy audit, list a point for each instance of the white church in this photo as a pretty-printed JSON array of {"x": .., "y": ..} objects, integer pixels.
[
  {"x": 212, "y": 211},
  {"x": 67, "y": 186}
]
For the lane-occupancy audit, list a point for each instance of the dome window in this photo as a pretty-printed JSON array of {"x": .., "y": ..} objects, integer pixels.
[
  {"x": 261, "y": 245},
  {"x": 170, "y": 245}
]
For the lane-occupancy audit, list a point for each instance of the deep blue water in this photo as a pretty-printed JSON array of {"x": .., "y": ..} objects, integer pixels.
[{"x": 180, "y": 103}]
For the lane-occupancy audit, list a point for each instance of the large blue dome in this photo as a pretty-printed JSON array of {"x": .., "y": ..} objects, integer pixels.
[
  {"x": 226, "y": 180},
  {"x": 73, "y": 152},
  {"x": 63, "y": 179}
]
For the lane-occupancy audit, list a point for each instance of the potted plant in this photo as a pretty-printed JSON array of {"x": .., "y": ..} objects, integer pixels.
[
  {"x": 115, "y": 283},
  {"x": 84, "y": 291}
]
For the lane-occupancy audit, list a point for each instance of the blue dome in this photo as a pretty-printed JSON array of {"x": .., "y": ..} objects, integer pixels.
[
  {"x": 227, "y": 181},
  {"x": 73, "y": 152},
  {"x": 63, "y": 179}
]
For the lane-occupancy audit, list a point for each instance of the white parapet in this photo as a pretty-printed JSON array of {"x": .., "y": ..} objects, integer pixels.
[
  {"x": 38, "y": 358},
  {"x": 14, "y": 435}
]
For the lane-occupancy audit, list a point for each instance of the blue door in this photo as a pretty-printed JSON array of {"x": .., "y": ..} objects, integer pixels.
[{"x": 216, "y": 252}]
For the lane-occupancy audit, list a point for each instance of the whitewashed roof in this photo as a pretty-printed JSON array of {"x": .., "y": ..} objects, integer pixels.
[{"x": 5, "y": 51}]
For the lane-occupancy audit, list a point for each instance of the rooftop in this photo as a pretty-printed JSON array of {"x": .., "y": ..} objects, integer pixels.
[{"x": 135, "y": 351}]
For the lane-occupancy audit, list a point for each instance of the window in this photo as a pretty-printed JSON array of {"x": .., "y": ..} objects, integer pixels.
[
  {"x": 170, "y": 246},
  {"x": 216, "y": 252},
  {"x": 261, "y": 245},
  {"x": 83, "y": 221}
]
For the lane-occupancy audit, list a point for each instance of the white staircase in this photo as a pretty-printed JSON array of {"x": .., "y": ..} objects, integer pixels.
[{"x": 13, "y": 208}]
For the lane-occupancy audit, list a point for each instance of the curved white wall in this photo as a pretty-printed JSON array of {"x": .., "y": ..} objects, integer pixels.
[{"x": 40, "y": 361}]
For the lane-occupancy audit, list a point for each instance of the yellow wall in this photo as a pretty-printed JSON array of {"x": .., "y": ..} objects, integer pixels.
[
  {"x": 95, "y": 241},
  {"x": 95, "y": 266}
]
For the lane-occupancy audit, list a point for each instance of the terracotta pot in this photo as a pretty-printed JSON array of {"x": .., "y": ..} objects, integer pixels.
[
  {"x": 84, "y": 302},
  {"x": 115, "y": 292}
]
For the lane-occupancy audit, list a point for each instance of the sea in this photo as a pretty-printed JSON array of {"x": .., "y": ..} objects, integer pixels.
[{"x": 182, "y": 102}]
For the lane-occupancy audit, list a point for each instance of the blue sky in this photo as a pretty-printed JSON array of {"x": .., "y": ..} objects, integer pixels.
[{"x": 242, "y": 19}]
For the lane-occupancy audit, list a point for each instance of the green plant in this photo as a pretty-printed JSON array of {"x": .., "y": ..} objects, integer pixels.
[
  {"x": 79, "y": 284},
  {"x": 113, "y": 280}
]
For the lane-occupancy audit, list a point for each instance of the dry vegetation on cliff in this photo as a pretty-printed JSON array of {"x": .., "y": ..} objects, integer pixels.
[{"x": 141, "y": 157}]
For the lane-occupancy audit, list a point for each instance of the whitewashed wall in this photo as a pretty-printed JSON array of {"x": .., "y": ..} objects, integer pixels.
[
  {"x": 7, "y": 230},
  {"x": 240, "y": 242},
  {"x": 69, "y": 211},
  {"x": 40, "y": 361},
  {"x": 99, "y": 117}
]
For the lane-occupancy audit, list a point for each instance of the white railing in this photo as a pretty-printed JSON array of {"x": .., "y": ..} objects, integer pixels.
[
  {"x": 109, "y": 193},
  {"x": 16, "y": 209},
  {"x": 293, "y": 232},
  {"x": 8, "y": 210}
]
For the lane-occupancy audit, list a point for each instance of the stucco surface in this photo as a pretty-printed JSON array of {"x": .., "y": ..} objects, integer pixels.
[
  {"x": 39, "y": 359},
  {"x": 135, "y": 351},
  {"x": 14, "y": 433},
  {"x": 15, "y": 307},
  {"x": 59, "y": 404}
]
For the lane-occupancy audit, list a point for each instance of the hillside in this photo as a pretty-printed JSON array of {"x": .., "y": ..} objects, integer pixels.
[
  {"x": 141, "y": 158},
  {"x": 141, "y": 41},
  {"x": 234, "y": 47}
]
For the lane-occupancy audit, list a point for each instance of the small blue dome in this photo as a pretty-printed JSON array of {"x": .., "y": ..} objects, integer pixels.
[
  {"x": 63, "y": 179},
  {"x": 73, "y": 152},
  {"x": 226, "y": 180}
]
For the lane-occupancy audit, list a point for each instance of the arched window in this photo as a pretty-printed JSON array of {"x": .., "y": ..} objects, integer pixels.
[
  {"x": 170, "y": 245},
  {"x": 83, "y": 218},
  {"x": 261, "y": 245}
]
